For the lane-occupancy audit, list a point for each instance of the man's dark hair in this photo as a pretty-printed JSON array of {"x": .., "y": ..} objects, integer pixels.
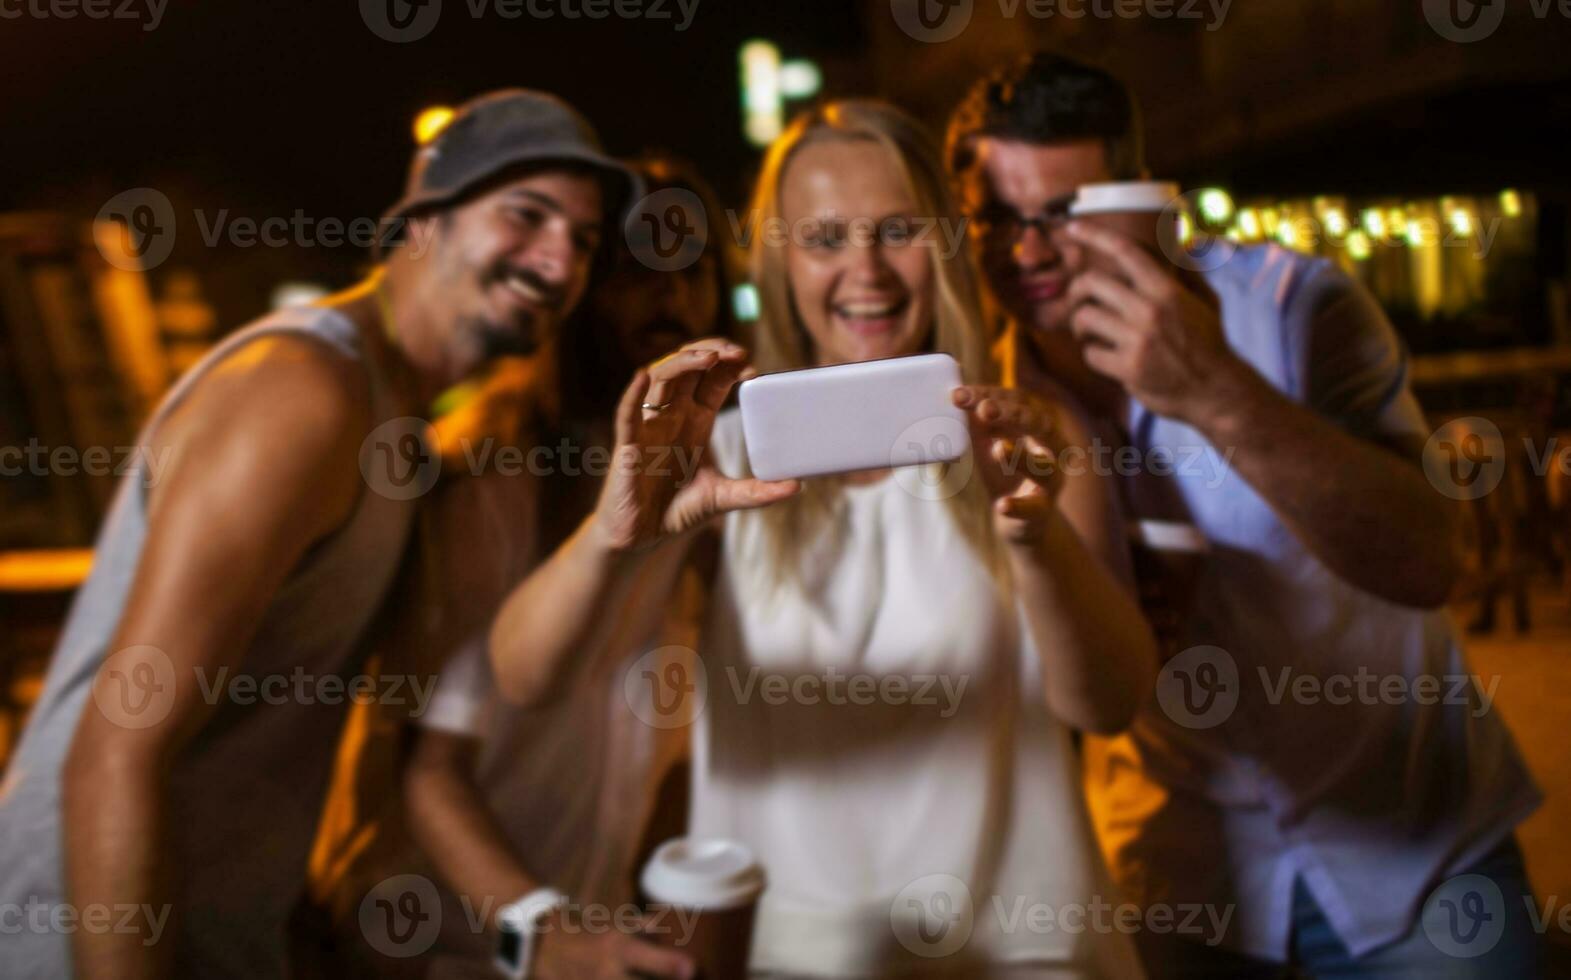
[
  {"x": 592, "y": 377},
  {"x": 1046, "y": 98}
]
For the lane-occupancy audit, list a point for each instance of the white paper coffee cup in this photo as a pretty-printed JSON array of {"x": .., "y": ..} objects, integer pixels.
[
  {"x": 718, "y": 882},
  {"x": 1123, "y": 196},
  {"x": 703, "y": 874},
  {"x": 1171, "y": 536}
]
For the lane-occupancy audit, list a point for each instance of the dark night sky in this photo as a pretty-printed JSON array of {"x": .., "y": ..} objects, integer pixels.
[{"x": 265, "y": 108}]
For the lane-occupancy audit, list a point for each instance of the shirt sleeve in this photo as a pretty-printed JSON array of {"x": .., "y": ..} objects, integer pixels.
[
  {"x": 1354, "y": 367},
  {"x": 462, "y": 700}
]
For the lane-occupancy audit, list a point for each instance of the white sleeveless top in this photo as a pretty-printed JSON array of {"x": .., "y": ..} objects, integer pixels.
[{"x": 877, "y": 733}]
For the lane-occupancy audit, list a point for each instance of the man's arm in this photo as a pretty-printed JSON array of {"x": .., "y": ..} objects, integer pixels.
[
  {"x": 264, "y": 463},
  {"x": 1365, "y": 509},
  {"x": 451, "y": 820}
]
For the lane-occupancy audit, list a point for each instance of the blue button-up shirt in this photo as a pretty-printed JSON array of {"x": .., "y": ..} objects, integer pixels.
[{"x": 1367, "y": 780}]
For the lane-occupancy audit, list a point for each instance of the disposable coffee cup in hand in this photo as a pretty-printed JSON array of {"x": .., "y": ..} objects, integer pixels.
[
  {"x": 703, "y": 895},
  {"x": 1147, "y": 211},
  {"x": 1169, "y": 557},
  {"x": 1138, "y": 209}
]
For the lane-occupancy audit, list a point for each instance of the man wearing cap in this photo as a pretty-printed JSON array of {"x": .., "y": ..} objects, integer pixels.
[
  {"x": 157, "y": 815},
  {"x": 1348, "y": 829}
]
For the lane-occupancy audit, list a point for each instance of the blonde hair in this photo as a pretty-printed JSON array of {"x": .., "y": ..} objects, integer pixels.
[{"x": 779, "y": 340}]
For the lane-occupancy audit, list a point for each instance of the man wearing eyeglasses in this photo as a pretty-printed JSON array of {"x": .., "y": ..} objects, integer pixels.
[{"x": 1355, "y": 834}]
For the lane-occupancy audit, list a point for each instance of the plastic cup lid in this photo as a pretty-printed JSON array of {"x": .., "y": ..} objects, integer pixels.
[
  {"x": 1130, "y": 195},
  {"x": 1172, "y": 536},
  {"x": 703, "y": 873}
]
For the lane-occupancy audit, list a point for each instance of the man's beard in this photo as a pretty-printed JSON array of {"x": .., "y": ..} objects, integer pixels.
[
  {"x": 524, "y": 335},
  {"x": 506, "y": 339}
]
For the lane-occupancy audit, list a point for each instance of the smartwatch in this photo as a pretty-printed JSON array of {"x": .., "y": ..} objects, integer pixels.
[{"x": 519, "y": 925}]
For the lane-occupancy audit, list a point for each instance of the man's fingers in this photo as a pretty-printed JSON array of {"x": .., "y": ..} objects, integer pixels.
[
  {"x": 650, "y": 960},
  {"x": 1106, "y": 360},
  {"x": 628, "y": 412},
  {"x": 1097, "y": 323},
  {"x": 1143, "y": 270},
  {"x": 1107, "y": 290}
]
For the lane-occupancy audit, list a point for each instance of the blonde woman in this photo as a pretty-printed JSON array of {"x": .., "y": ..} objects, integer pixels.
[{"x": 893, "y": 673}]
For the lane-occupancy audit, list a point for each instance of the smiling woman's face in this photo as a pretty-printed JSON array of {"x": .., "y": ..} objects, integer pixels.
[{"x": 861, "y": 287}]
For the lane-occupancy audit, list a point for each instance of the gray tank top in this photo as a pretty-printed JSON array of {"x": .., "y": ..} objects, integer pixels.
[{"x": 245, "y": 795}]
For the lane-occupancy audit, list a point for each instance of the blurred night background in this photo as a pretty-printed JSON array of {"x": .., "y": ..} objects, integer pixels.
[{"x": 1434, "y": 169}]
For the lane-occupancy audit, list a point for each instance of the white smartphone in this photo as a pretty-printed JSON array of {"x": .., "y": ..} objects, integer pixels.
[{"x": 895, "y": 411}]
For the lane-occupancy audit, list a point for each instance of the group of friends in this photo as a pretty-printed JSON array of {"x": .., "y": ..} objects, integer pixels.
[{"x": 551, "y": 604}]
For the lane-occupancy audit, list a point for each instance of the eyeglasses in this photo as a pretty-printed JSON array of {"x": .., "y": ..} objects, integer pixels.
[{"x": 994, "y": 220}]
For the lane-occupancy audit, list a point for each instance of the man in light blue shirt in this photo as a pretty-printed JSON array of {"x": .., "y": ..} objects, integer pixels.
[{"x": 1319, "y": 757}]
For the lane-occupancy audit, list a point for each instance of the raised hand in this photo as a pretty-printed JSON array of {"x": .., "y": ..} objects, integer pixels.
[
  {"x": 1158, "y": 337},
  {"x": 1015, "y": 447},
  {"x": 663, "y": 481}
]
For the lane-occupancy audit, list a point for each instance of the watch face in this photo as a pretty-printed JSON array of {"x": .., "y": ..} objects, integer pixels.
[{"x": 510, "y": 949}]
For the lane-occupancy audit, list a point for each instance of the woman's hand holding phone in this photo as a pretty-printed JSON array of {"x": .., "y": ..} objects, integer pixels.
[
  {"x": 1015, "y": 446},
  {"x": 663, "y": 481}
]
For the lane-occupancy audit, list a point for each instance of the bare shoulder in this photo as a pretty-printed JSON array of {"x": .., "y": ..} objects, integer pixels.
[
  {"x": 282, "y": 417},
  {"x": 315, "y": 390}
]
